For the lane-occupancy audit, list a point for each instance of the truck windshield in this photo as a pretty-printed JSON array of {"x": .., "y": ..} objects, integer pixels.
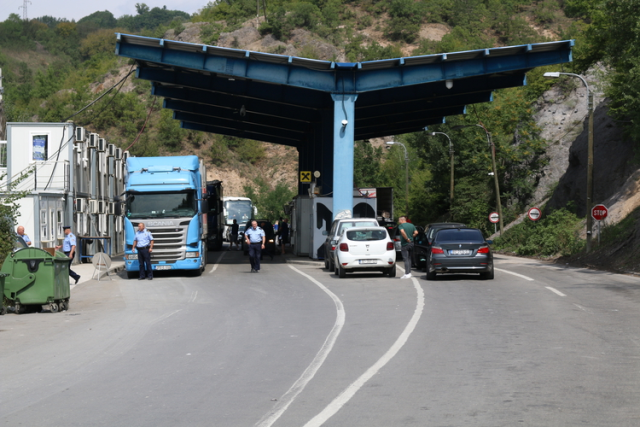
[
  {"x": 237, "y": 209},
  {"x": 162, "y": 205}
]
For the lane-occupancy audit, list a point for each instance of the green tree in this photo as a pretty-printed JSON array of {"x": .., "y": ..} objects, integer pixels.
[{"x": 269, "y": 201}]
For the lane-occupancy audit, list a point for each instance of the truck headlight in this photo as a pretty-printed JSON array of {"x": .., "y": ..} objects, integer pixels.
[{"x": 193, "y": 254}]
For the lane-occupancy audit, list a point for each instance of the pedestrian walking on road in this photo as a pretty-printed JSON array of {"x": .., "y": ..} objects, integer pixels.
[
  {"x": 69, "y": 248},
  {"x": 143, "y": 243},
  {"x": 20, "y": 231},
  {"x": 255, "y": 238},
  {"x": 283, "y": 232},
  {"x": 407, "y": 233},
  {"x": 233, "y": 237}
]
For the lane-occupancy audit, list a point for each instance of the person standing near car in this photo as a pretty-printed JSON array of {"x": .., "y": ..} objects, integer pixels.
[
  {"x": 255, "y": 238},
  {"x": 233, "y": 238},
  {"x": 20, "y": 231},
  {"x": 143, "y": 243},
  {"x": 407, "y": 232},
  {"x": 69, "y": 248},
  {"x": 283, "y": 232}
]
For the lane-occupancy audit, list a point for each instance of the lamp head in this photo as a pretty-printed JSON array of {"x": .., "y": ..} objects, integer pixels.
[
  {"x": 390, "y": 142},
  {"x": 552, "y": 75},
  {"x": 449, "y": 83}
]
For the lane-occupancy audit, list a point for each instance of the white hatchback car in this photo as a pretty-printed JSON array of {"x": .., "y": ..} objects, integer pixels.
[{"x": 365, "y": 249}]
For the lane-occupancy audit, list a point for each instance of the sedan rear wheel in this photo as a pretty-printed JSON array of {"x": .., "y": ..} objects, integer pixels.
[
  {"x": 488, "y": 275},
  {"x": 431, "y": 275},
  {"x": 341, "y": 271},
  {"x": 392, "y": 271}
]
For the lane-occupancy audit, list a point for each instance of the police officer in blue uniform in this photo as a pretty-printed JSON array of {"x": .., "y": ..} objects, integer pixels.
[
  {"x": 143, "y": 243},
  {"x": 255, "y": 238},
  {"x": 69, "y": 248}
]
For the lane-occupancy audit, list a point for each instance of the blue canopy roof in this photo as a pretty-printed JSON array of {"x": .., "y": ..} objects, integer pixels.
[{"x": 285, "y": 100}]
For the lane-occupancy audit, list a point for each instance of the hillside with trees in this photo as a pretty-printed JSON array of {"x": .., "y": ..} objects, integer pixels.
[{"x": 53, "y": 68}]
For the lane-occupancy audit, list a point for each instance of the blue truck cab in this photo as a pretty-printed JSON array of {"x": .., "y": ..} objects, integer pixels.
[{"x": 167, "y": 194}]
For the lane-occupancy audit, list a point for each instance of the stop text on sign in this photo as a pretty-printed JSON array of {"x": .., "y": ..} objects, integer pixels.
[{"x": 599, "y": 212}]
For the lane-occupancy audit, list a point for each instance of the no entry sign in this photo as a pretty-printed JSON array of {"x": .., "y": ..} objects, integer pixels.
[
  {"x": 534, "y": 214},
  {"x": 494, "y": 217},
  {"x": 599, "y": 212}
]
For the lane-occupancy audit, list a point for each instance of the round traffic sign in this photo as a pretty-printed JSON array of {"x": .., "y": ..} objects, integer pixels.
[
  {"x": 534, "y": 214},
  {"x": 494, "y": 217},
  {"x": 599, "y": 212}
]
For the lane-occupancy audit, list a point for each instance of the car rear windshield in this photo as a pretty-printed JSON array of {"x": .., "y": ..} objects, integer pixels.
[
  {"x": 347, "y": 225},
  {"x": 457, "y": 235},
  {"x": 363, "y": 235}
]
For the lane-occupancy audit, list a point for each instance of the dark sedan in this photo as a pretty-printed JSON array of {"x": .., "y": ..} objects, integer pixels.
[
  {"x": 422, "y": 242},
  {"x": 460, "y": 250}
]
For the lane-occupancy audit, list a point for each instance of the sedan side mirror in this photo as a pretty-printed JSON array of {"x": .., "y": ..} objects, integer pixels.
[{"x": 489, "y": 242}]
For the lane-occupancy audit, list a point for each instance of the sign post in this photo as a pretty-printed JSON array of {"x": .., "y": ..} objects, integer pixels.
[
  {"x": 494, "y": 218},
  {"x": 599, "y": 213},
  {"x": 534, "y": 214}
]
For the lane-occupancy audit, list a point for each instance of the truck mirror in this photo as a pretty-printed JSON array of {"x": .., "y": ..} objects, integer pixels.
[
  {"x": 204, "y": 207},
  {"x": 117, "y": 209}
]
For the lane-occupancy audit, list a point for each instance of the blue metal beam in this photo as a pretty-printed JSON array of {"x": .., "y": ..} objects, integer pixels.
[
  {"x": 274, "y": 139},
  {"x": 246, "y": 116},
  {"x": 255, "y": 130},
  {"x": 201, "y": 97},
  {"x": 343, "y": 133},
  {"x": 277, "y": 94},
  {"x": 346, "y": 78}
]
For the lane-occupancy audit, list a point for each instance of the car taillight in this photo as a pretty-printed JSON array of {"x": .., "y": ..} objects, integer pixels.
[
  {"x": 435, "y": 250},
  {"x": 390, "y": 246},
  {"x": 344, "y": 247},
  {"x": 483, "y": 250}
]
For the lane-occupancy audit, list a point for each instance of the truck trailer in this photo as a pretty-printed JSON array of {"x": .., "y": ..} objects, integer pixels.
[{"x": 167, "y": 194}]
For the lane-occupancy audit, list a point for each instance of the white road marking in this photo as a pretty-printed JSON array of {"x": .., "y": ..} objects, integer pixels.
[
  {"x": 555, "y": 291},
  {"x": 352, "y": 389},
  {"x": 215, "y": 266},
  {"x": 515, "y": 274},
  {"x": 297, "y": 387},
  {"x": 194, "y": 295},
  {"x": 167, "y": 315}
]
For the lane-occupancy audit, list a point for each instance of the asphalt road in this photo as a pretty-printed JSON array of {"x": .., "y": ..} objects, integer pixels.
[{"x": 540, "y": 345}]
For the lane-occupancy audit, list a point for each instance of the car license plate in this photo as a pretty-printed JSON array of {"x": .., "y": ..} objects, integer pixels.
[
  {"x": 460, "y": 252},
  {"x": 368, "y": 261},
  {"x": 163, "y": 267}
]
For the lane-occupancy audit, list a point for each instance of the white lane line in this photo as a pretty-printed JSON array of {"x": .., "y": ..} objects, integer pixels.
[
  {"x": 297, "y": 387},
  {"x": 555, "y": 291},
  {"x": 215, "y": 266},
  {"x": 352, "y": 389},
  {"x": 515, "y": 274}
]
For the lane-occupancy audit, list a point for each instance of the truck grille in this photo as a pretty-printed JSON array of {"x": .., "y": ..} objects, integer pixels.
[{"x": 169, "y": 242}]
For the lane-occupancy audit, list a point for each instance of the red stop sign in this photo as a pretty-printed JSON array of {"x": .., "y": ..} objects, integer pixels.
[{"x": 599, "y": 212}]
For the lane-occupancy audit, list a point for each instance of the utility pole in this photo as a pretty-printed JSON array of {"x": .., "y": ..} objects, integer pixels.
[
  {"x": 2, "y": 119},
  {"x": 25, "y": 16}
]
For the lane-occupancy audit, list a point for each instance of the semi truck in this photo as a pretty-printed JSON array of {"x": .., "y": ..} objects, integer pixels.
[
  {"x": 215, "y": 218},
  {"x": 168, "y": 195}
]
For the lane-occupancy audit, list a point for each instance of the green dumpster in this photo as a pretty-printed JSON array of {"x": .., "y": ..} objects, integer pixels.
[
  {"x": 3, "y": 309},
  {"x": 36, "y": 277}
]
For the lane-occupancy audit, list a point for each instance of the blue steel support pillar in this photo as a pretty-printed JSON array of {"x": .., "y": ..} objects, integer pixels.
[{"x": 343, "y": 125}]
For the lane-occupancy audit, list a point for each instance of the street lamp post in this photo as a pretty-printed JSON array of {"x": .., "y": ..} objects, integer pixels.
[
  {"x": 451, "y": 156},
  {"x": 406, "y": 162},
  {"x": 555, "y": 75},
  {"x": 493, "y": 165}
]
